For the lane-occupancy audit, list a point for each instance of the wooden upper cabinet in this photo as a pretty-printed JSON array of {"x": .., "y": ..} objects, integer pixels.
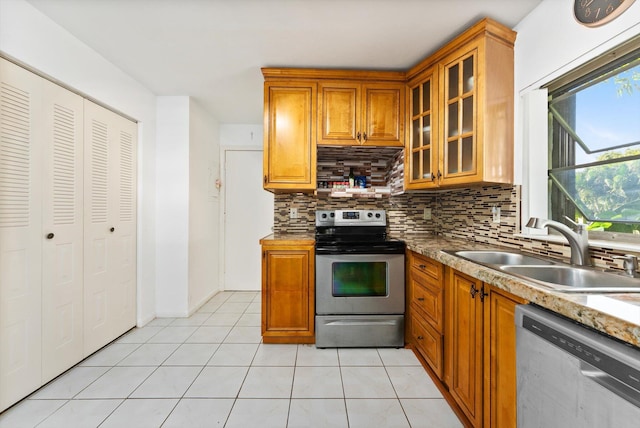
[
  {"x": 422, "y": 149},
  {"x": 352, "y": 113},
  {"x": 289, "y": 138},
  {"x": 469, "y": 115},
  {"x": 339, "y": 113}
]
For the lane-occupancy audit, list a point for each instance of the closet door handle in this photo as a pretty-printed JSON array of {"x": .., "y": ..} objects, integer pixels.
[
  {"x": 50, "y": 235},
  {"x": 113, "y": 229}
]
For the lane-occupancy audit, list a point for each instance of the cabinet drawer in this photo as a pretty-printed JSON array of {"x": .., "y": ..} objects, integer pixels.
[
  {"x": 426, "y": 266},
  {"x": 428, "y": 299},
  {"x": 429, "y": 343}
]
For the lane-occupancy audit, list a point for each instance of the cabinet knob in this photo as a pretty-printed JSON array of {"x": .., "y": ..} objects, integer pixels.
[
  {"x": 433, "y": 177},
  {"x": 420, "y": 299},
  {"x": 113, "y": 229},
  {"x": 50, "y": 235},
  {"x": 364, "y": 137},
  {"x": 359, "y": 136},
  {"x": 422, "y": 266},
  {"x": 419, "y": 337},
  {"x": 473, "y": 291}
]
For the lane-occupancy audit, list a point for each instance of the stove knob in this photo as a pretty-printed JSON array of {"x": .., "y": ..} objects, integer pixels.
[
  {"x": 369, "y": 215},
  {"x": 333, "y": 215},
  {"x": 324, "y": 215},
  {"x": 377, "y": 215}
]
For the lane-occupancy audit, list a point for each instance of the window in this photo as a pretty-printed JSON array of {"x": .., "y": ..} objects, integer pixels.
[{"x": 594, "y": 143}]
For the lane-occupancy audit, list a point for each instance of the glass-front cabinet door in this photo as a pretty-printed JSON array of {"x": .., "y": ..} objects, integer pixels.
[
  {"x": 460, "y": 117},
  {"x": 461, "y": 112},
  {"x": 422, "y": 155}
]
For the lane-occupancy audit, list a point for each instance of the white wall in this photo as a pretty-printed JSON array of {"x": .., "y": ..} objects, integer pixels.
[
  {"x": 172, "y": 206},
  {"x": 241, "y": 135},
  {"x": 204, "y": 206},
  {"x": 33, "y": 39},
  {"x": 550, "y": 42},
  {"x": 187, "y": 206}
]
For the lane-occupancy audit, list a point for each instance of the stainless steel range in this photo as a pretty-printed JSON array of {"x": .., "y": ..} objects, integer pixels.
[{"x": 359, "y": 281}]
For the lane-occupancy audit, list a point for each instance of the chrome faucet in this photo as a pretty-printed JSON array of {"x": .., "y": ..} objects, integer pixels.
[{"x": 578, "y": 238}]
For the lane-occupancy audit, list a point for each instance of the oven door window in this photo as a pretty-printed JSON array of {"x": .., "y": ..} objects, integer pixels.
[{"x": 359, "y": 279}]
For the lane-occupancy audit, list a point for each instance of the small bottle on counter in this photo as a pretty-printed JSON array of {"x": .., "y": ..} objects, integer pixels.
[{"x": 352, "y": 179}]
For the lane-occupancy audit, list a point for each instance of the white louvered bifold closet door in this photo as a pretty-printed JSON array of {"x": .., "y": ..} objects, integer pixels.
[
  {"x": 109, "y": 233},
  {"x": 62, "y": 254},
  {"x": 124, "y": 307},
  {"x": 21, "y": 235}
]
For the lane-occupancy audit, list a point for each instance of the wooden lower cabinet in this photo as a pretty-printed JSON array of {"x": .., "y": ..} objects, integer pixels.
[
  {"x": 480, "y": 368},
  {"x": 425, "y": 301},
  {"x": 288, "y": 292},
  {"x": 464, "y": 343},
  {"x": 500, "y": 359}
]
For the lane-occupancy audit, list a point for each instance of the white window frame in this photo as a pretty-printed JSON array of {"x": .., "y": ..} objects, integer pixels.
[{"x": 533, "y": 104}]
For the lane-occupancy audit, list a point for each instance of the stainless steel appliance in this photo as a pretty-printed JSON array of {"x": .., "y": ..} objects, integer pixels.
[
  {"x": 359, "y": 281},
  {"x": 571, "y": 376}
]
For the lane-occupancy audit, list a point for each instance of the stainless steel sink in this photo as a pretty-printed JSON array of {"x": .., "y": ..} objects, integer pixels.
[
  {"x": 500, "y": 258},
  {"x": 571, "y": 279},
  {"x": 557, "y": 276}
]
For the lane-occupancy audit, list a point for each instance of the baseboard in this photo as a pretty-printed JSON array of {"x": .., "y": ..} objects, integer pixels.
[
  {"x": 202, "y": 302},
  {"x": 141, "y": 322}
]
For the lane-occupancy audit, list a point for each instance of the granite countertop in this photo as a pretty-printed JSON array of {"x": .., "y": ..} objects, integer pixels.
[
  {"x": 289, "y": 237},
  {"x": 615, "y": 314}
]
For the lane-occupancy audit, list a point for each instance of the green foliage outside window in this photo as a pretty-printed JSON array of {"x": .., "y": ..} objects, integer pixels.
[{"x": 595, "y": 147}]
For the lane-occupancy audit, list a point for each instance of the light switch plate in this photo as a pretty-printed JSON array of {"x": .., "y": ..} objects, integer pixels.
[
  {"x": 426, "y": 214},
  {"x": 293, "y": 212}
]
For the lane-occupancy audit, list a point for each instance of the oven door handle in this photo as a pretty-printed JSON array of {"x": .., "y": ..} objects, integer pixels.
[{"x": 368, "y": 321}]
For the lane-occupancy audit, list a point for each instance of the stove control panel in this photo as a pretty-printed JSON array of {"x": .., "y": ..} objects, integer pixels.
[{"x": 351, "y": 218}]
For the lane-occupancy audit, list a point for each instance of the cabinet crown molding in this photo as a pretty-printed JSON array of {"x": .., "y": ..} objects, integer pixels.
[
  {"x": 330, "y": 74},
  {"x": 487, "y": 28}
]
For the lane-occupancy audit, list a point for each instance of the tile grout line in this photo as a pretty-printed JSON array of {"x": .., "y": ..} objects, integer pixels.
[
  {"x": 293, "y": 382},
  {"x": 394, "y": 387},
  {"x": 235, "y": 400}
]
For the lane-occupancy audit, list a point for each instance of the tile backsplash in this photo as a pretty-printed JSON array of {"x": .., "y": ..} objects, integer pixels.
[{"x": 458, "y": 213}]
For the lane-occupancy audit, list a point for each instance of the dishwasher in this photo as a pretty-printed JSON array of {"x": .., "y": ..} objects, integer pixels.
[{"x": 571, "y": 376}]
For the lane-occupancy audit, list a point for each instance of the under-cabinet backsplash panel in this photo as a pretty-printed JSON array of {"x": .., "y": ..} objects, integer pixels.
[
  {"x": 404, "y": 212},
  {"x": 459, "y": 213},
  {"x": 467, "y": 213}
]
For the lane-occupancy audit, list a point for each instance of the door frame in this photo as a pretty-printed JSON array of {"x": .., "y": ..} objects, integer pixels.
[{"x": 223, "y": 204}]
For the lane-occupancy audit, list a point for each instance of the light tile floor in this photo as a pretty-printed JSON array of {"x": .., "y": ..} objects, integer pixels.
[{"x": 211, "y": 369}]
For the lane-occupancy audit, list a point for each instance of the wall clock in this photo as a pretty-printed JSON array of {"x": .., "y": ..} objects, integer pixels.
[{"x": 593, "y": 13}]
